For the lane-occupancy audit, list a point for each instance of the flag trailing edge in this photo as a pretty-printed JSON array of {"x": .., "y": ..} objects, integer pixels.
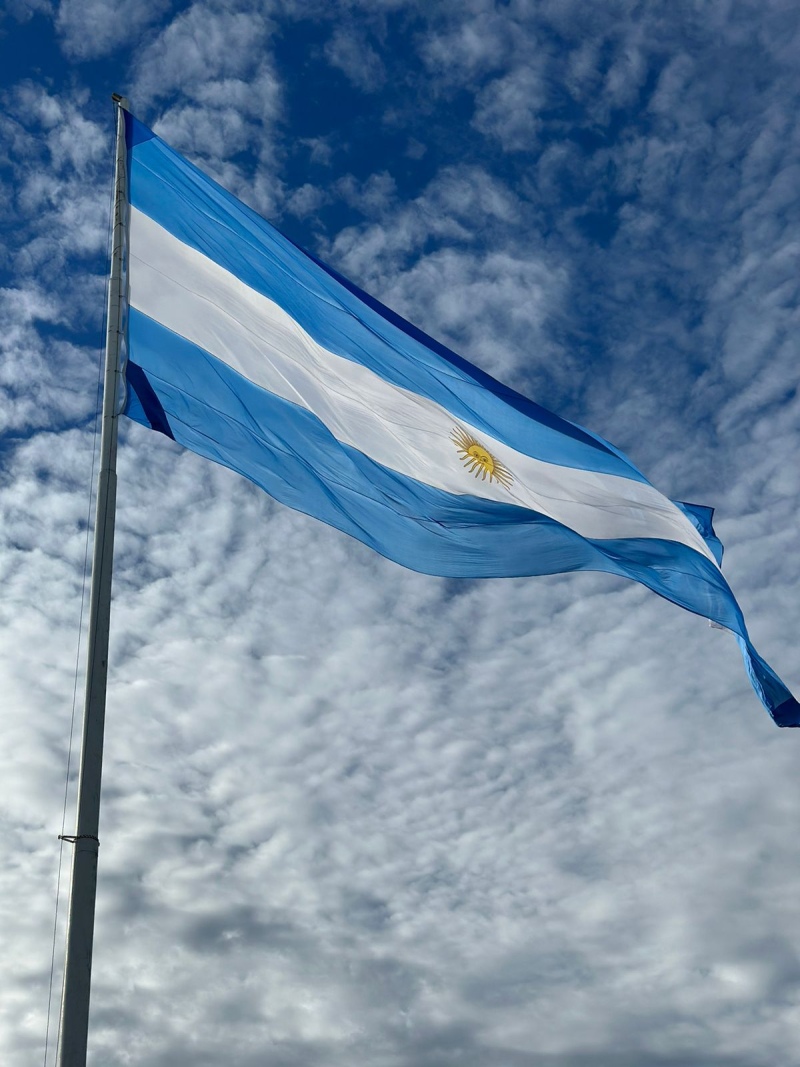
[{"x": 248, "y": 351}]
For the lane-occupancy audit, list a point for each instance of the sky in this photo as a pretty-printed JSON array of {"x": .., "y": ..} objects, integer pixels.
[{"x": 351, "y": 813}]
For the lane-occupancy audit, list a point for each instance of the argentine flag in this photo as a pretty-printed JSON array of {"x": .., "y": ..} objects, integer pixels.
[{"x": 247, "y": 350}]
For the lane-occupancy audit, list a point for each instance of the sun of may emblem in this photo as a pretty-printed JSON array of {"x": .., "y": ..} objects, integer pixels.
[{"x": 478, "y": 460}]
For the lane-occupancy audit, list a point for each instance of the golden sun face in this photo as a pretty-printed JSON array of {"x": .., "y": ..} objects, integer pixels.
[{"x": 478, "y": 460}]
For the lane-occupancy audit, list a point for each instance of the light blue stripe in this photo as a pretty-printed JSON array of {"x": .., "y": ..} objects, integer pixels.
[
  {"x": 286, "y": 450},
  {"x": 700, "y": 517},
  {"x": 339, "y": 317}
]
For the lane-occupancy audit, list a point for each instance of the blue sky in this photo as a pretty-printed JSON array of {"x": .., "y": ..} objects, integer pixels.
[{"x": 352, "y": 813}]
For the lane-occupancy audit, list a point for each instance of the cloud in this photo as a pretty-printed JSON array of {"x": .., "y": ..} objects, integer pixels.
[
  {"x": 90, "y": 28},
  {"x": 352, "y": 813},
  {"x": 60, "y": 225},
  {"x": 24, "y": 10},
  {"x": 217, "y": 59},
  {"x": 29, "y": 356},
  {"x": 490, "y": 306},
  {"x": 373, "y": 196},
  {"x": 208, "y": 52},
  {"x": 468, "y": 47},
  {"x": 508, "y": 109},
  {"x": 351, "y": 53},
  {"x": 61, "y": 159}
]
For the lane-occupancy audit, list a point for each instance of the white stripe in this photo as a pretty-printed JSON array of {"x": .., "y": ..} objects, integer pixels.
[{"x": 196, "y": 298}]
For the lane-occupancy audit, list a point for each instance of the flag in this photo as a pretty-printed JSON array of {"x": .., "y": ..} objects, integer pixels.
[{"x": 249, "y": 351}]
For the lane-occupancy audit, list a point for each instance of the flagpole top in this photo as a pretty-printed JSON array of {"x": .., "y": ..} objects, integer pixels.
[{"x": 121, "y": 101}]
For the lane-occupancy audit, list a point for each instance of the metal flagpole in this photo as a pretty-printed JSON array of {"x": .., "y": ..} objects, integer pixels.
[{"x": 80, "y": 930}]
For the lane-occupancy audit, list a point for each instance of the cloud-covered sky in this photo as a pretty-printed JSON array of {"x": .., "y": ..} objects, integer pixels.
[{"x": 352, "y": 814}]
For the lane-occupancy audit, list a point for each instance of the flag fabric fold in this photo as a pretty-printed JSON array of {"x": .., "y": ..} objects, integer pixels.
[{"x": 252, "y": 353}]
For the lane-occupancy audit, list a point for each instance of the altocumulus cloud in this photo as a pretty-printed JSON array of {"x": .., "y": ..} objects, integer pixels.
[{"x": 351, "y": 813}]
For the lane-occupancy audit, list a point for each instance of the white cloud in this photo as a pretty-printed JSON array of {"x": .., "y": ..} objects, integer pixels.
[
  {"x": 468, "y": 47},
  {"x": 320, "y": 150},
  {"x": 508, "y": 108},
  {"x": 350, "y": 813},
  {"x": 92, "y": 28},
  {"x": 204, "y": 46},
  {"x": 352, "y": 53},
  {"x": 491, "y": 307},
  {"x": 373, "y": 197},
  {"x": 306, "y": 200},
  {"x": 60, "y": 181},
  {"x": 219, "y": 133},
  {"x": 213, "y": 63}
]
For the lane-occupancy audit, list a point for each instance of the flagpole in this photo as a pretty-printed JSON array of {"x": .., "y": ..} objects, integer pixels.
[{"x": 74, "y": 1024}]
